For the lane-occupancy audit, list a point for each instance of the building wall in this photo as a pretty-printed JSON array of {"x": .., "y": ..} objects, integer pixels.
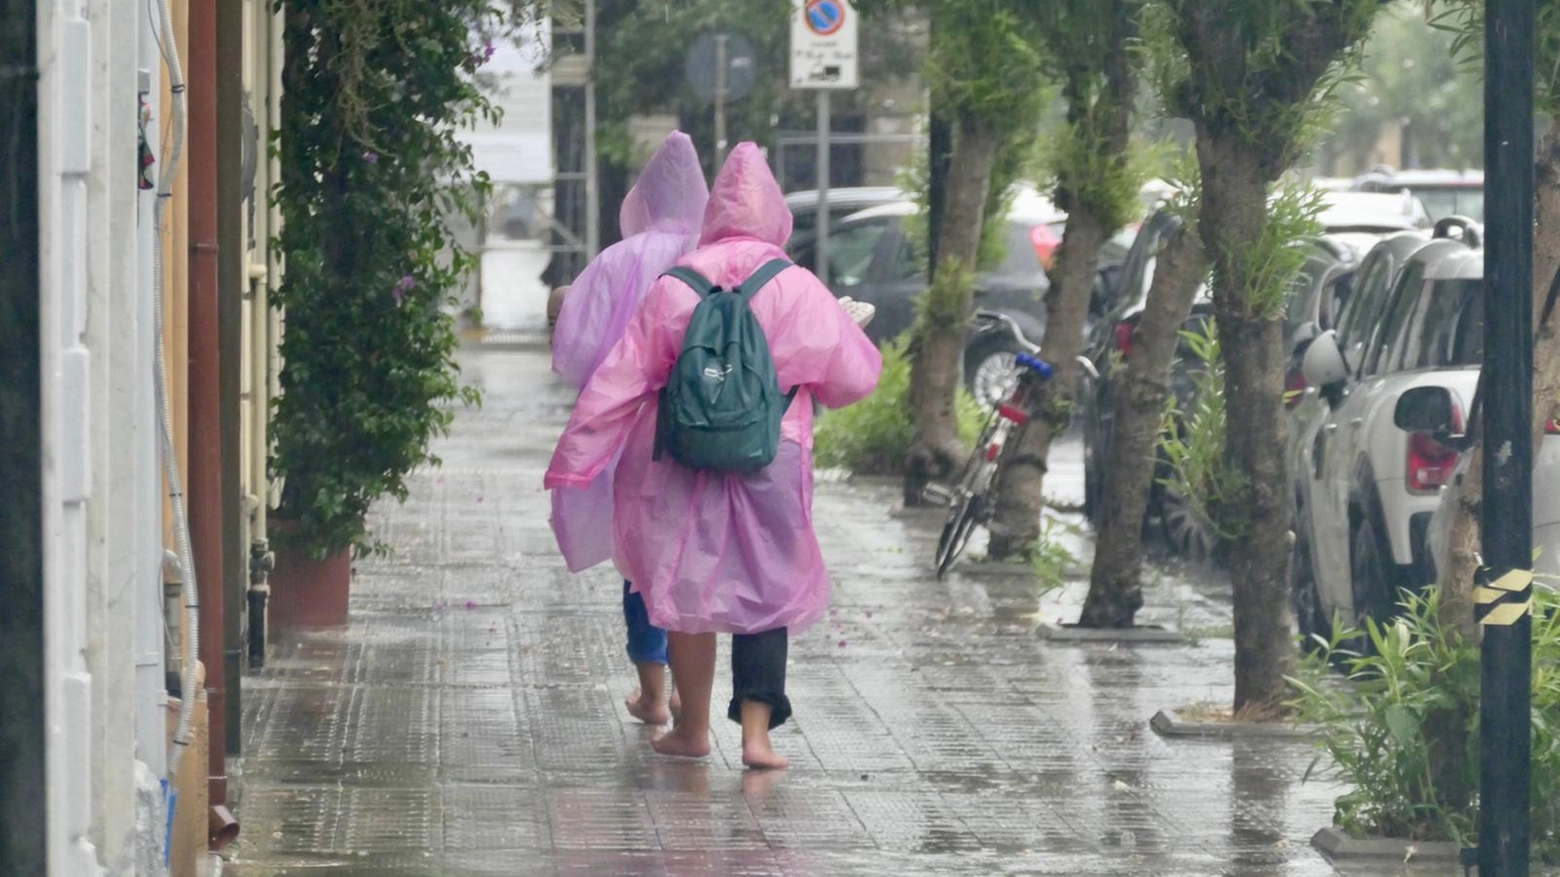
[{"x": 102, "y": 532}]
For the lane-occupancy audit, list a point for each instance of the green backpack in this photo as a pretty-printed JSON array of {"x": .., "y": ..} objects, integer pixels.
[{"x": 722, "y": 407}]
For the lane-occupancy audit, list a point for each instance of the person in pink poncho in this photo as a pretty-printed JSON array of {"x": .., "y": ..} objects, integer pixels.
[
  {"x": 722, "y": 552},
  {"x": 660, "y": 220}
]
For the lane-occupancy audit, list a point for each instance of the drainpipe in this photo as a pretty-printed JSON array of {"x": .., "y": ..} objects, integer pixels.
[
  {"x": 231, "y": 282},
  {"x": 207, "y": 509},
  {"x": 22, "y": 778},
  {"x": 261, "y": 560}
]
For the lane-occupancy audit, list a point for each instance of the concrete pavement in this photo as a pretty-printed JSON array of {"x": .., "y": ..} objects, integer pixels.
[{"x": 470, "y": 721}]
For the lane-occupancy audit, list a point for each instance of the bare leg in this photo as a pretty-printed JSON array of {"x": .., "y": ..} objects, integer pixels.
[
  {"x": 757, "y": 752},
  {"x": 693, "y": 666},
  {"x": 648, "y": 704}
]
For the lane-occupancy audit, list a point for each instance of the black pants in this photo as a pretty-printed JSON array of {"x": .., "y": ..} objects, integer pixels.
[{"x": 758, "y": 673}]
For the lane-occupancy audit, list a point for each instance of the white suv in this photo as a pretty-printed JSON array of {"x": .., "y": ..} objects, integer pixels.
[{"x": 1373, "y": 487}]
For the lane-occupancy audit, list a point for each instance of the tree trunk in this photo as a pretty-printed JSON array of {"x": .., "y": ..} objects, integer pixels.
[
  {"x": 1015, "y": 527},
  {"x": 1115, "y": 582},
  {"x": 1099, "y": 115},
  {"x": 939, "y": 146},
  {"x": 938, "y": 345},
  {"x": 1233, "y": 217}
]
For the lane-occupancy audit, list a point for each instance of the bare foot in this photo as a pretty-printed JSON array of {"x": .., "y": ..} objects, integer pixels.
[
  {"x": 683, "y": 743},
  {"x": 649, "y": 711},
  {"x": 762, "y": 756}
]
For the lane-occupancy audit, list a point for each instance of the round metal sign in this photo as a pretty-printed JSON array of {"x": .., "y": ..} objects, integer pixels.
[
  {"x": 824, "y": 17},
  {"x": 704, "y": 61}
]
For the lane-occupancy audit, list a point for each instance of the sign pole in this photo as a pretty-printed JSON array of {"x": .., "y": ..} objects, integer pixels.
[
  {"x": 822, "y": 268},
  {"x": 1503, "y": 600},
  {"x": 824, "y": 38},
  {"x": 720, "y": 99}
]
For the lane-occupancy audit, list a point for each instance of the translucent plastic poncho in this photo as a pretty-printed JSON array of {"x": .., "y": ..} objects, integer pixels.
[
  {"x": 718, "y": 552},
  {"x": 660, "y": 221}
]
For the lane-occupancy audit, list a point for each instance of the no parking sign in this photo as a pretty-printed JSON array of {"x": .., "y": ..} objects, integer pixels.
[{"x": 823, "y": 44}]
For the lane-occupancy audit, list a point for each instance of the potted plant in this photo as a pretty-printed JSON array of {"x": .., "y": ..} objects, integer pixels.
[{"x": 370, "y": 167}]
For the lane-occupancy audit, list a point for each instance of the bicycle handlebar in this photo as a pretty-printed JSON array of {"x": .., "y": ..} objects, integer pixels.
[{"x": 1037, "y": 365}]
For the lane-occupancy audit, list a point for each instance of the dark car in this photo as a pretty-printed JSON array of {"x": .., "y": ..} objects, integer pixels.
[
  {"x": 876, "y": 256},
  {"x": 1351, "y": 224},
  {"x": 842, "y": 203},
  {"x": 1117, "y": 312}
]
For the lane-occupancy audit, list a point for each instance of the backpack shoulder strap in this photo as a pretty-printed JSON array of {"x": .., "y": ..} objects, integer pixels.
[
  {"x": 765, "y": 273},
  {"x": 699, "y": 282}
]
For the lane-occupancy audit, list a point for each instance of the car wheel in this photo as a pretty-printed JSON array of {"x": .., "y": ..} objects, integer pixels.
[
  {"x": 1309, "y": 617},
  {"x": 1370, "y": 574},
  {"x": 991, "y": 369},
  {"x": 1189, "y": 532}
]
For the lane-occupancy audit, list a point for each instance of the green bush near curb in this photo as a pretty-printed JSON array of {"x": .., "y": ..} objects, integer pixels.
[{"x": 873, "y": 436}]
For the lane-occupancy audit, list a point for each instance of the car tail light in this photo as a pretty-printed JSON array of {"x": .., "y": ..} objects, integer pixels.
[
  {"x": 1553, "y": 426},
  {"x": 1294, "y": 388},
  {"x": 1124, "y": 338},
  {"x": 1045, "y": 241},
  {"x": 1430, "y": 463}
]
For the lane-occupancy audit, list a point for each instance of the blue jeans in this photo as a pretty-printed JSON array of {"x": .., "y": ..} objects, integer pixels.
[{"x": 646, "y": 642}]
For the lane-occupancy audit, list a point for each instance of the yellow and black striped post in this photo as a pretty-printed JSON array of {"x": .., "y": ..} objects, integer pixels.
[{"x": 1504, "y": 596}]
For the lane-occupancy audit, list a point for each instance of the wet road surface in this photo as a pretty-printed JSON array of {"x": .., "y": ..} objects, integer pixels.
[{"x": 471, "y": 721}]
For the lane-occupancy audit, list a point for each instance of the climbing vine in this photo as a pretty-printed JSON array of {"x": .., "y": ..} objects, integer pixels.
[{"x": 375, "y": 92}]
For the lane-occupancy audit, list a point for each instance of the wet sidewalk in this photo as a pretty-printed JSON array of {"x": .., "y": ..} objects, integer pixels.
[{"x": 471, "y": 720}]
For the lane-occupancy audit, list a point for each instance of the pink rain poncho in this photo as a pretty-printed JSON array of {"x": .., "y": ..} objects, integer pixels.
[
  {"x": 717, "y": 552},
  {"x": 660, "y": 221}
]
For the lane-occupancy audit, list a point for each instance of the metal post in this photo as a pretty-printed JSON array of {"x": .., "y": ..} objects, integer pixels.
[
  {"x": 23, "y": 778},
  {"x": 1505, "y": 740},
  {"x": 592, "y": 183},
  {"x": 822, "y": 268},
  {"x": 206, "y": 509},
  {"x": 720, "y": 99},
  {"x": 231, "y": 282}
]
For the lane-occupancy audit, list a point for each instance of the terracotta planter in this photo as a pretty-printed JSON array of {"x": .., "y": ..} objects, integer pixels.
[{"x": 307, "y": 594}]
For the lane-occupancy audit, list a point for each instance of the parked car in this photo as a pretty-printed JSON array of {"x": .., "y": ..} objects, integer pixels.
[
  {"x": 877, "y": 256},
  {"x": 1443, "y": 192},
  {"x": 1373, "y": 212},
  {"x": 842, "y": 203},
  {"x": 1317, "y": 294},
  {"x": 1350, "y": 220},
  {"x": 1373, "y": 487},
  {"x": 1546, "y": 489},
  {"x": 1353, "y": 323}
]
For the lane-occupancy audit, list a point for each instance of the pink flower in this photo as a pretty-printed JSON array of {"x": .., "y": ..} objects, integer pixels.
[
  {"x": 402, "y": 287},
  {"x": 371, "y": 156}
]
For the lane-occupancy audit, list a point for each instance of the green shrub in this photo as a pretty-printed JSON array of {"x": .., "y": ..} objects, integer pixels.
[
  {"x": 873, "y": 436},
  {"x": 1403, "y": 728},
  {"x": 1193, "y": 440}
]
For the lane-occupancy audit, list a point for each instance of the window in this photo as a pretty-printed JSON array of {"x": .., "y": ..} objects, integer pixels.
[
  {"x": 1335, "y": 295},
  {"x": 1019, "y": 259},
  {"x": 1453, "y": 334},
  {"x": 1384, "y": 351},
  {"x": 851, "y": 248}
]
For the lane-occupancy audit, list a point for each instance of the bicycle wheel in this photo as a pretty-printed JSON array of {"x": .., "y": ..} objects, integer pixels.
[{"x": 955, "y": 535}]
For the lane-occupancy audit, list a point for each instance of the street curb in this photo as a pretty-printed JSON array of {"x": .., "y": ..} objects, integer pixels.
[
  {"x": 1150, "y": 634},
  {"x": 1167, "y": 724},
  {"x": 996, "y": 569},
  {"x": 1335, "y": 844}
]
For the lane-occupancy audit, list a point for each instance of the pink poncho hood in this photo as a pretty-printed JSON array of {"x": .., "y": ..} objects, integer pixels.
[
  {"x": 660, "y": 220},
  {"x": 715, "y": 551}
]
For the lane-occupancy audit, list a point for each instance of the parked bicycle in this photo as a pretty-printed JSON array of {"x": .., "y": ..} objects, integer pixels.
[{"x": 972, "y": 498}]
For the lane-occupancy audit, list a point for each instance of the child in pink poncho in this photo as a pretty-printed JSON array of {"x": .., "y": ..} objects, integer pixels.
[
  {"x": 717, "y": 552},
  {"x": 660, "y": 221}
]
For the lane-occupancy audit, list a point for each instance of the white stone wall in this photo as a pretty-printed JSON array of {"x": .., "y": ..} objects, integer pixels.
[{"x": 102, "y": 515}]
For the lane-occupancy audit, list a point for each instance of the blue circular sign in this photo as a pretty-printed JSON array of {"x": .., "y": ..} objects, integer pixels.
[{"x": 824, "y": 17}]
